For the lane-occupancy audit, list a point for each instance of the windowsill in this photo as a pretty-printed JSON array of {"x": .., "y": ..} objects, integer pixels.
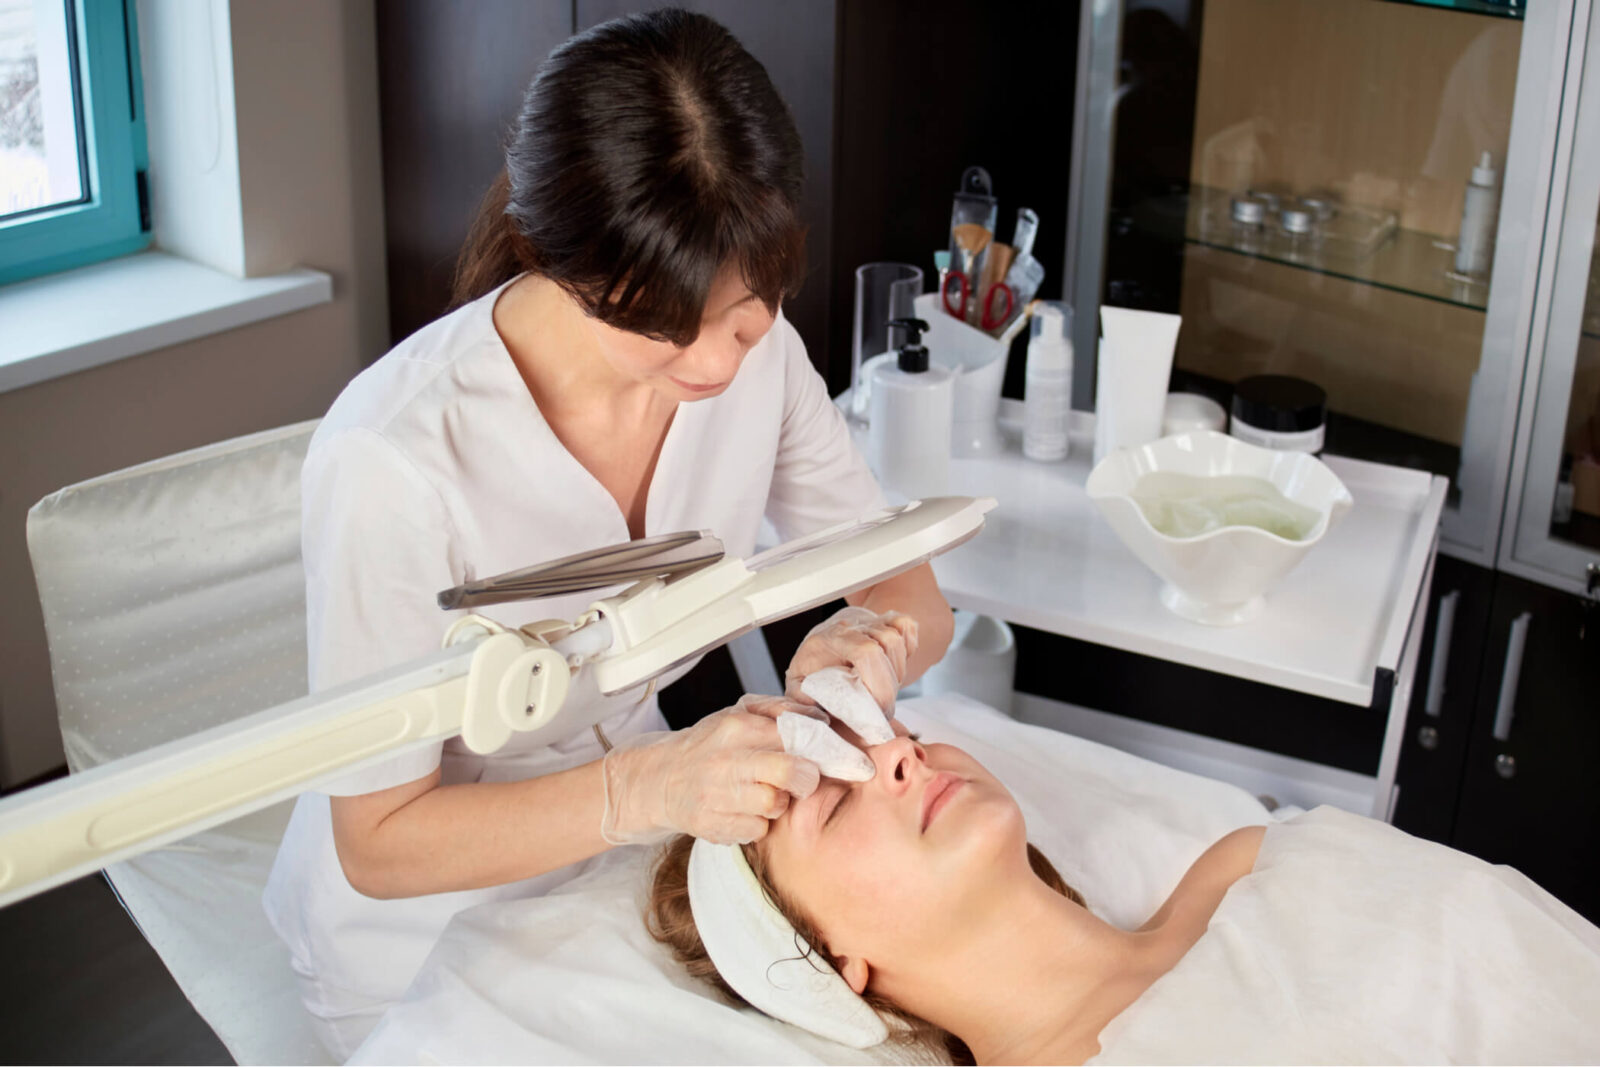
[{"x": 68, "y": 322}]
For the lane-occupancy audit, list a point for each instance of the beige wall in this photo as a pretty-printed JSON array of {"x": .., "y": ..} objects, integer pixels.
[
  {"x": 306, "y": 97},
  {"x": 1387, "y": 104}
]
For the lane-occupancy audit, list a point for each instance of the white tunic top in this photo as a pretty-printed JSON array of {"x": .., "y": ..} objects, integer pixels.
[{"x": 435, "y": 467}]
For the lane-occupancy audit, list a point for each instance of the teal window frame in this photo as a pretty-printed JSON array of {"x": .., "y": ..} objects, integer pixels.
[{"x": 114, "y": 218}]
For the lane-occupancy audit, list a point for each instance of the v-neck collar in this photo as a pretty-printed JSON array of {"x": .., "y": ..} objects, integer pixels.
[{"x": 545, "y": 440}]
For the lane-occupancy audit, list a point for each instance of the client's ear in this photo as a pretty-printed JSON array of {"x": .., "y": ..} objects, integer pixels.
[{"x": 854, "y": 971}]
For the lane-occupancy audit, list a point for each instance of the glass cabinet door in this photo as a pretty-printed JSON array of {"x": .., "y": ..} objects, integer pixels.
[
  {"x": 1555, "y": 535},
  {"x": 1345, "y": 191}
]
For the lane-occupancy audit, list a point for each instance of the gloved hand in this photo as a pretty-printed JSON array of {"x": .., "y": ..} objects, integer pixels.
[
  {"x": 875, "y": 648},
  {"x": 722, "y": 779}
]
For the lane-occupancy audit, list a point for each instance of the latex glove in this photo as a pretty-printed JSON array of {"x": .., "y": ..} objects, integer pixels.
[
  {"x": 875, "y": 648},
  {"x": 722, "y": 779}
]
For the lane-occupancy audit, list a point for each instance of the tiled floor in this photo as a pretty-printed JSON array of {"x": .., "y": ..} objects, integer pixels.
[{"x": 79, "y": 984}]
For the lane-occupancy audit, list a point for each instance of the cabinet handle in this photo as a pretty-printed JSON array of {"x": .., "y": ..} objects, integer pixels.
[
  {"x": 1507, "y": 709},
  {"x": 1441, "y": 652}
]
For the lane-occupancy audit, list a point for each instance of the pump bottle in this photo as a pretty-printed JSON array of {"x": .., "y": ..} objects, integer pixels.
[
  {"x": 912, "y": 408},
  {"x": 1479, "y": 212},
  {"x": 1047, "y": 397}
]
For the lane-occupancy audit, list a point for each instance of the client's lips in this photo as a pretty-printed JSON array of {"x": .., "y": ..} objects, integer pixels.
[
  {"x": 937, "y": 795},
  {"x": 694, "y": 388}
]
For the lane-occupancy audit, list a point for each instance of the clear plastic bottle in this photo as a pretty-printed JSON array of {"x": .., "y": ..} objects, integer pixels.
[
  {"x": 1047, "y": 397},
  {"x": 1480, "y": 210}
]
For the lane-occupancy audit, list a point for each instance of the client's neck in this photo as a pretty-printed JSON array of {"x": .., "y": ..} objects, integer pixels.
[{"x": 1030, "y": 978}]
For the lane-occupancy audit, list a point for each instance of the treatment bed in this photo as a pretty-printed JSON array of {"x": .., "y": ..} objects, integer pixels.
[{"x": 1349, "y": 941}]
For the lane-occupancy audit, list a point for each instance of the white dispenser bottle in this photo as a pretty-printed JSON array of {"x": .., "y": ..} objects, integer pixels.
[
  {"x": 1047, "y": 396},
  {"x": 1479, "y": 213},
  {"x": 913, "y": 403}
]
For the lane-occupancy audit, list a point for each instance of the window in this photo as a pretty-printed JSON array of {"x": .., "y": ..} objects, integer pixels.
[{"x": 72, "y": 147}]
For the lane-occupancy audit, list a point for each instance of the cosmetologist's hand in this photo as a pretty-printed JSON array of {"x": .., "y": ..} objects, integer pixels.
[
  {"x": 875, "y": 648},
  {"x": 723, "y": 779}
]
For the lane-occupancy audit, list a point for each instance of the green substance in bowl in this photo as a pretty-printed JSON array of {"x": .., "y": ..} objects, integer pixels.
[{"x": 1188, "y": 505}]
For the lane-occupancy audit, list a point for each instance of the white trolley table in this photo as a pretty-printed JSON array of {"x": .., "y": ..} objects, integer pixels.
[{"x": 1345, "y": 626}]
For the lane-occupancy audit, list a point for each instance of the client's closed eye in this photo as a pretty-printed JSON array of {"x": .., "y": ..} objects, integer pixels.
[{"x": 836, "y": 803}]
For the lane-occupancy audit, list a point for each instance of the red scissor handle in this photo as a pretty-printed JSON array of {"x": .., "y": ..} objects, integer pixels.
[
  {"x": 957, "y": 305},
  {"x": 991, "y": 318}
]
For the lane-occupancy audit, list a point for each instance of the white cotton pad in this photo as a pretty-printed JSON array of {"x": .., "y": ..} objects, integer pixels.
[
  {"x": 754, "y": 949},
  {"x": 816, "y": 741},
  {"x": 841, "y": 693}
]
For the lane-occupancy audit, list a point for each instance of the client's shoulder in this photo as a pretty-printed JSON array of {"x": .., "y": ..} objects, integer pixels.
[
  {"x": 1209, "y": 878},
  {"x": 1229, "y": 860},
  {"x": 1237, "y": 851}
]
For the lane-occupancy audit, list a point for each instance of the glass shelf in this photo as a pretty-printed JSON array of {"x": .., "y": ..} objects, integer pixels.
[
  {"x": 1406, "y": 261},
  {"x": 1497, "y": 8}
]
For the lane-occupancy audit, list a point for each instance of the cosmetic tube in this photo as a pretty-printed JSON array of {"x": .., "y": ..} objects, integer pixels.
[{"x": 1135, "y": 361}]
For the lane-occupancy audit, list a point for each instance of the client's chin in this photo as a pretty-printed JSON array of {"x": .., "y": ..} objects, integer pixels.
[{"x": 978, "y": 823}]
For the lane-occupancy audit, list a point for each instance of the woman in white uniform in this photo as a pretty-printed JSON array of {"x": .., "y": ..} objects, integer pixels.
[{"x": 618, "y": 367}]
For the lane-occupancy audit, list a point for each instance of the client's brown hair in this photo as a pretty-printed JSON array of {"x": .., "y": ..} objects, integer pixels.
[{"x": 672, "y": 923}]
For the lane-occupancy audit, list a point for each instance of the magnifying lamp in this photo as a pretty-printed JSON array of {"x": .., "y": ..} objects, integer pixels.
[{"x": 488, "y": 682}]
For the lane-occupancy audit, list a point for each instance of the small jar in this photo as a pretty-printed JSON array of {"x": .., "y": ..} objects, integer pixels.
[
  {"x": 1297, "y": 220},
  {"x": 1248, "y": 211},
  {"x": 1279, "y": 412}
]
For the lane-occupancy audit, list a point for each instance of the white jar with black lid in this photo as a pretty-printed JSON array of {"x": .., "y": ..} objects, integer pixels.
[{"x": 1279, "y": 412}]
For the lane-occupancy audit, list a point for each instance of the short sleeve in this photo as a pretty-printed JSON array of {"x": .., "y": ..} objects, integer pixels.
[
  {"x": 376, "y": 544},
  {"x": 820, "y": 477}
]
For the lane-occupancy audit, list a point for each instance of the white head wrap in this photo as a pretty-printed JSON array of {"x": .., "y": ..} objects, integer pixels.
[{"x": 759, "y": 953}]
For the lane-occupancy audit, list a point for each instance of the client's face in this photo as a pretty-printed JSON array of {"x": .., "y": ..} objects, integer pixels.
[{"x": 879, "y": 864}]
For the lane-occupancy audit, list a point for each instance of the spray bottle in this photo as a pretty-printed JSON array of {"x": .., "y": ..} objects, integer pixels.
[{"x": 1479, "y": 212}]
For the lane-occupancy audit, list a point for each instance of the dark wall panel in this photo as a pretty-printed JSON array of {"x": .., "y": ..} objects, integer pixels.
[
  {"x": 451, "y": 78},
  {"x": 926, "y": 89},
  {"x": 794, "y": 40}
]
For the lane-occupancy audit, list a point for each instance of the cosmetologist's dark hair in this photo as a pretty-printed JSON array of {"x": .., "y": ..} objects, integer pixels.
[{"x": 650, "y": 151}]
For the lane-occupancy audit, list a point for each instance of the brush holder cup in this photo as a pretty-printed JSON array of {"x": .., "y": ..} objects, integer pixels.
[{"x": 979, "y": 363}]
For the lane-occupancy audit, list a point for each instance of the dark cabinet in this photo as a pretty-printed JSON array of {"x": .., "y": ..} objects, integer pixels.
[
  {"x": 1444, "y": 696},
  {"x": 1530, "y": 796},
  {"x": 1500, "y": 753}
]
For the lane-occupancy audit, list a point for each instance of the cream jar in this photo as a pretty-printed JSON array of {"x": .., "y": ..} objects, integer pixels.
[{"x": 1279, "y": 412}]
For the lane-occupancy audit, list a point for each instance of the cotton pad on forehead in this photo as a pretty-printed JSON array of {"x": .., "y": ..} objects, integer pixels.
[{"x": 841, "y": 693}]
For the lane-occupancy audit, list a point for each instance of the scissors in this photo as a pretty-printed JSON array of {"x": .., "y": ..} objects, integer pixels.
[{"x": 957, "y": 292}]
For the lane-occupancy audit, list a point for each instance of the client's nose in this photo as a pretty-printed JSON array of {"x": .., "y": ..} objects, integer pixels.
[{"x": 900, "y": 764}]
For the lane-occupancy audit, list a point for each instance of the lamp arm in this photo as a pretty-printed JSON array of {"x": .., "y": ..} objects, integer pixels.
[
  {"x": 488, "y": 683},
  {"x": 484, "y": 689}
]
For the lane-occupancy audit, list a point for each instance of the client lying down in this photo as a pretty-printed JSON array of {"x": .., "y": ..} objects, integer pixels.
[{"x": 911, "y": 907}]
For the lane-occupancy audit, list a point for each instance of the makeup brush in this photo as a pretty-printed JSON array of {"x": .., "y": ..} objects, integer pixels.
[
  {"x": 995, "y": 265},
  {"x": 971, "y": 240}
]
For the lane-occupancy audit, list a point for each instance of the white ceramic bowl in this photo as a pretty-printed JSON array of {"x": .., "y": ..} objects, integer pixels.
[{"x": 1218, "y": 577}]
